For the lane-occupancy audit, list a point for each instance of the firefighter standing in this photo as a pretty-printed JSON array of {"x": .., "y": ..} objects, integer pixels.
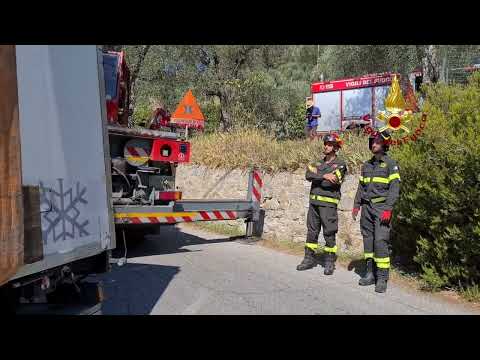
[
  {"x": 326, "y": 180},
  {"x": 377, "y": 193}
]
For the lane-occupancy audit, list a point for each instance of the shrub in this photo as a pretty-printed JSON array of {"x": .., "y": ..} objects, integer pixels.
[
  {"x": 211, "y": 112},
  {"x": 142, "y": 113},
  {"x": 295, "y": 124},
  {"x": 438, "y": 224}
]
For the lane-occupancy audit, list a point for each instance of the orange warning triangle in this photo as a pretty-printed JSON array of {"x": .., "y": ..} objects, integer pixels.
[{"x": 188, "y": 112}]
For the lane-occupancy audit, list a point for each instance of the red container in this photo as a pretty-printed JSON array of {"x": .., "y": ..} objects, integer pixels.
[{"x": 170, "y": 151}]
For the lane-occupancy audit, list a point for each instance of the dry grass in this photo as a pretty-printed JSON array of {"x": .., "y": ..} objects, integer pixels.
[
  {"x": 471, "y": 293},
  {"x": 244, "y": 148}
]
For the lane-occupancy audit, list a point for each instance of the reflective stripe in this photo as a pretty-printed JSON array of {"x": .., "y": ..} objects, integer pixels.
[
  {"x": 368, "y": 255},
  {"x": 339, "y": 174},
  {"x": 380, "y": 180},
  {"x": 382, "y": 263},
  {"x": 377, "y": 200},
  {"x": 394, "y": 176},
  {"x": 324, "y": 198},
  {"x": 330, "y": 249},
  {"x": 311, "y": 246},
  {"x": 365, "y": 180}
]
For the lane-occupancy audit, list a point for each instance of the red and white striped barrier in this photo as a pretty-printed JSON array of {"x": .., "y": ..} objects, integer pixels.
[
  {"x": 172, "y": 218},
  {"x": 257, "y": 187}
]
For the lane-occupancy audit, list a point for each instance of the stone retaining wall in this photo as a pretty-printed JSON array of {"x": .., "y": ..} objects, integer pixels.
[{"x": 285, "y": 200}]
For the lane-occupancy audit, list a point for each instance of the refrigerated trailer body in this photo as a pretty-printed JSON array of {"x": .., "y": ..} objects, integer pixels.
[
  {"x": 65, "y": 150},
  {"x": 65, "y": 168},
  {"x": 63, "y": 188}
]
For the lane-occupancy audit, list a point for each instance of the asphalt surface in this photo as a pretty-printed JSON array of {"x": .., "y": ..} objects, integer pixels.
[{"x": 187, "y": 271}]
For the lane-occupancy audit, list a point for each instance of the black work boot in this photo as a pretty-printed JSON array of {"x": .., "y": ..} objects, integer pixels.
[
  {"x": 368, "y": 278},
  {"x": 382, "y": 278},
  {"x": 309, "y": 261},
  {"x": 329, "y": 263}
]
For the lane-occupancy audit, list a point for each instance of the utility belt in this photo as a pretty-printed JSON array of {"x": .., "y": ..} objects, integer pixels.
[
  {"x": 324, "y": 199},
  {"x": 376, "y": 200}
]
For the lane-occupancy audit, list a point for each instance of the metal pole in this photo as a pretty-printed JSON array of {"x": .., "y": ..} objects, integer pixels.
[{"x": 249, "y": 227}]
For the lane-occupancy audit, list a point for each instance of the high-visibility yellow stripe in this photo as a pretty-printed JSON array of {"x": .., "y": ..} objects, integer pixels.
[
  {"x": 368, "y": 255},
  {"x": 339, "y": 174},
  {"x": 324, "y": 198},
  {"x": 377, "y": 200},
  {"x": 330, "y": 249},
  {"x": 157, "y": 214},
  {"x": 394, "y": 176},
  {"x": 365, "y": 179},
  {"x": 311, "y": 246},
  {"x": 382, "y": 263},
  {"x": 380, "y": 180}
]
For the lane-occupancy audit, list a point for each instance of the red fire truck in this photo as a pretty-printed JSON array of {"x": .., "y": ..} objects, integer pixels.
[{"x": 354, "y": 102}]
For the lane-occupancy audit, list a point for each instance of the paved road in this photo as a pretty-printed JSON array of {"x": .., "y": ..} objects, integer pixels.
[{"x": 187, "y": 271}]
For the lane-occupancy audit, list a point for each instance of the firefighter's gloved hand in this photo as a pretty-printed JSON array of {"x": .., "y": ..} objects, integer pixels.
[
  {"x": 355, "y": 213},
  {"x": 386, "y": 216}
]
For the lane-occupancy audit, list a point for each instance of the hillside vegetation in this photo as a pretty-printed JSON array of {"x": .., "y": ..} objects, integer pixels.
[{"x": 244, "y": 148}]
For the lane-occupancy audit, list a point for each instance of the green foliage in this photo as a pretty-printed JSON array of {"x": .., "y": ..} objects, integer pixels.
[
  {"x": 142, "y": 113},
  {"x": 211, "y": 112},
  {"x": 355, "y": 60},
  {"x": 295, "y": 124},
  {"x": 471, "y": 293},
  {"x": 439, "y": 205},
  {"x": 259, "y": 86}
]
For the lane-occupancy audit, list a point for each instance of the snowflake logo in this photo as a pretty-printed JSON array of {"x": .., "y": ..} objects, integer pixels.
[{"x": 62, "y": 218}]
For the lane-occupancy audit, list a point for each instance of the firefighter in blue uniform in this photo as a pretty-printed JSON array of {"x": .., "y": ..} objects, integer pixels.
[
  {"x": 376, "y": 195},
  {"x": 326, "y": 177}
]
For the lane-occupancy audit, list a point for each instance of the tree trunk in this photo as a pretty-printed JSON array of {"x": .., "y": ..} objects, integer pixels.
[
  {"x": 136, "y": 68},
  {"x": 11, "y": 207},
  {"x": 431, "y": 65},
  {"x": 225, "y": 117}
]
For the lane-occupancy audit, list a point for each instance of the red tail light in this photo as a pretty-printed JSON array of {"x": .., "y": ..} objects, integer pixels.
[{"x": 169, "y": 195}]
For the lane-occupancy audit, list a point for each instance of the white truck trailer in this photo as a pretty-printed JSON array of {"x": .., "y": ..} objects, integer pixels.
[{"x": 59, "y": 205}]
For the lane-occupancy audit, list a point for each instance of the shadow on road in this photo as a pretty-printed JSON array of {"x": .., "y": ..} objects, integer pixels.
[
  {"x": 357, "y": 265},
  {"x": 170, "y": 240},
  {"x": 134, "y": 289}
]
